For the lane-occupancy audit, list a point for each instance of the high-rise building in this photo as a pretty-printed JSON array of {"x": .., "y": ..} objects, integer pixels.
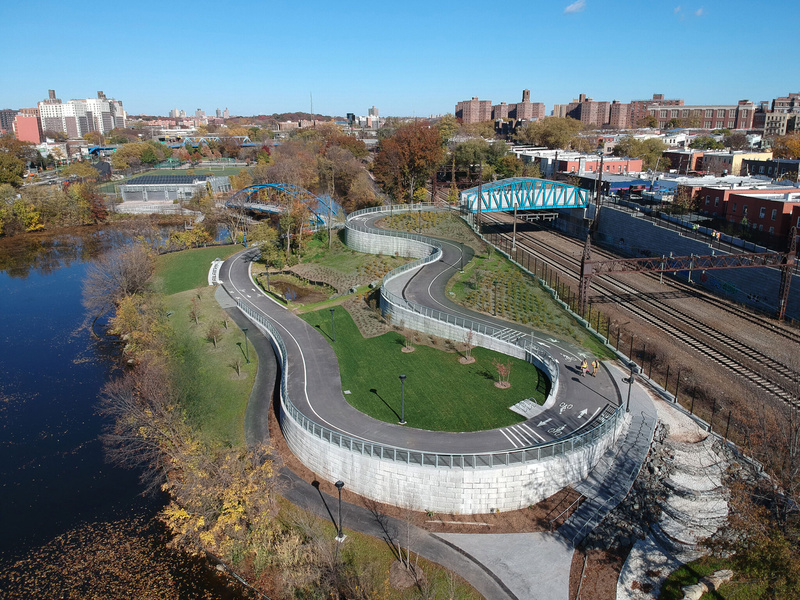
[
  {"x": 707, "y": 116},
  {"x": 619, "y": 116},
  {"x": 7, "y": 116},
  {"x": 474, "y": 111},
  {"x": 589, "y": 111},
  {"x": 219, "y": 114},
  {"x": 527, "y": 110},
  {"x": 199, "y": 114},
  {"x": 226, "y": 114},
  {"x": 373, "y": 112},
  {"x": 78, "y": 117}
]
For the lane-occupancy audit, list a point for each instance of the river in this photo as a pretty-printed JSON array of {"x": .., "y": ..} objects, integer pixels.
[{"x": 54, "y": 480}]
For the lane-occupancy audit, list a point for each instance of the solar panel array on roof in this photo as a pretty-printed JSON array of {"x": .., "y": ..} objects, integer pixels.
[{"x": 166, "y": 179}]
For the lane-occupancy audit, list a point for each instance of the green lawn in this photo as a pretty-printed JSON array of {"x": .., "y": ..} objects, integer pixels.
[
  {"x": 185, "y": 270},
  {"x": 441, "y": 394},
  {"x": 214, "y": 394}
]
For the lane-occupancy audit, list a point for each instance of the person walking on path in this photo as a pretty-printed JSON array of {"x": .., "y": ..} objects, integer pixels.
[
  {"x": 584, "y": 368},
  {"x": 595, "y": 366}
]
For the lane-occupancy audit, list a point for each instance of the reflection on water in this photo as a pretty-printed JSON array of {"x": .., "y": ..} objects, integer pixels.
[{"x": 53, "y": 476}]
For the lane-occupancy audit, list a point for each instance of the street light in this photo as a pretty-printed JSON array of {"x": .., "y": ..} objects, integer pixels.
[
  {"x": 402, "y": 399},
  {"x": 340, "y": 535},
  {"x": 333, "y": 327},
  {"x": 246, "y": 347},
  {"x": 634, "y": 370}
]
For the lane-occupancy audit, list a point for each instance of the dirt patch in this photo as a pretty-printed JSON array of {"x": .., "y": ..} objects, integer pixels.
[
  {"x": 544, "y": 516},
  {"x": 598, "y": 578},
  {"x": 402, "y": 577},
  {"x": 503, "y": 385},
  {"x": 466, "y": 360}
]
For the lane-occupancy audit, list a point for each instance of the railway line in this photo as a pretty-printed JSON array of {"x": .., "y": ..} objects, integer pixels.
[{"x": 736, "y": 356}]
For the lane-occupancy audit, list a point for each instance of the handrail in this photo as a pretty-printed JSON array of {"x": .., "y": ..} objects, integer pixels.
[{"x": 606, "y": 421}]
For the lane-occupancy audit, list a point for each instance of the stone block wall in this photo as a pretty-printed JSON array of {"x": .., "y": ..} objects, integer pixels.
[{"x": 445, "y": 490}]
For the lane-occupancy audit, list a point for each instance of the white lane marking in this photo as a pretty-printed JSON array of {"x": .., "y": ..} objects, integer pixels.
[
  {"x": 531, "y": 431},
  {"x": 516, "y": 435},
  {"x": 508, "y": 438},
  {"x": 589, "y": 420}
]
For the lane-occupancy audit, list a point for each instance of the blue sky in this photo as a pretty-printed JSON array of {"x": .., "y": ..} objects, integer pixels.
[{"x": 406, "y": 58}]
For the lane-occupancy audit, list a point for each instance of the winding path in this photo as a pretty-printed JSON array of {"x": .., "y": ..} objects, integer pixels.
[{"x": 315, "y": 385}]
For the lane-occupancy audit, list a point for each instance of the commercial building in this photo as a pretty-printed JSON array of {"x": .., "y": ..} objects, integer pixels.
[{"x": 148, "y": 188}]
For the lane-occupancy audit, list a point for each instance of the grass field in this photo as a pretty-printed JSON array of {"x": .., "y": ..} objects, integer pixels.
[
  {"x": 215, "y": 394},
  {"x": 440, "y": 393},
  {"x": 372, "y": 558},
  {"x": 185, "y": 270}
]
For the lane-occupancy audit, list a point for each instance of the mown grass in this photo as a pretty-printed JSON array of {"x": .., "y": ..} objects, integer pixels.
[
  {"x": 372, "y": 558},
  {"x": 214, "y": 395},
  {"x": 440, "y": 393},
  {"x": 185, "y": 270}
]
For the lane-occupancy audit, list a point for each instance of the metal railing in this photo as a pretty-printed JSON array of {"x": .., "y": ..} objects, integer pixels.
[{"x": 606, "y": 423}]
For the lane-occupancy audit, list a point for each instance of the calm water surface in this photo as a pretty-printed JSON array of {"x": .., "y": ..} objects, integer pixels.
[{"x": 53, "y": 476}]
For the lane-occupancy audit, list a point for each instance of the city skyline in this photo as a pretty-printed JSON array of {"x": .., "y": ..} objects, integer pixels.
[{"x": 410, "y": 60}]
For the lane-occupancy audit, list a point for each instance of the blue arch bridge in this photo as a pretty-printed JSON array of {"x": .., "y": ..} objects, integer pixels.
[
  {"x": 523, "y": 193},
  {"x": 275, "y": 198}
]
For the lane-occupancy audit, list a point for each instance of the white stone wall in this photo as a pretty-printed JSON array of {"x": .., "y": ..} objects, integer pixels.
[{"x": 444, "y": 490}]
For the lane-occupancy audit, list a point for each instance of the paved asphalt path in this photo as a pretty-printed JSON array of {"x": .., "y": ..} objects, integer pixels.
[{"x": 579, "y": 400}]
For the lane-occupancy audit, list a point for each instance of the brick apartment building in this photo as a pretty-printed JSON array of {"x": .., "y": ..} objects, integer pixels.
[
  {"x": 684, "y": 161},
  {"x": 729, "y": 163},
  {"x": 28, "y": 126},
  {"x": 474, "y": 111},
  {"x": 708, "y": 116},
  {"x": 639, "y": 109},
  {"x": 588, "y": 111}
]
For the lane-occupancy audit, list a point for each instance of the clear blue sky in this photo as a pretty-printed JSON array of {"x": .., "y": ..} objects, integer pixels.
[{"x": 406, "y": 58}]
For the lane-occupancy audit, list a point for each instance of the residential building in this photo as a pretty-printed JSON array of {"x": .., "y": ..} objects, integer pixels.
[
  {"x": 474, "y": 111},
  {"x": 780, "y": 123},
  {"x": 588, "y": 111},
  {"x": 373, "y": 112},
  {"x": 527, "y": 110},
  {"x": 500, "y": 111},
  {"x": 28, "y": 127},
  {"x": 773, "y": 209},
  {"x": 684, "y": 160},
  {"x": 707, "y": 116},
  {"x": 619, "y": 115},
  {"x": 639, "y": 108},
  {"x": 730, "y": 163},
  {"x": 78, "y": 117},
  {"x": 552, "y": 162},
  {"x": 7, "y": 116},
  {"x": 774, "y": 168}
]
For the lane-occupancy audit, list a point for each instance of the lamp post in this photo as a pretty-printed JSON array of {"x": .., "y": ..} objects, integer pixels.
[
  {"x": 333, "y": 327},
  {"x": 246, "y": 346},
  {"x": 402, "y": 399},
  {"x": 634, "y": 370},
  {"x": 340, "y": 535}
]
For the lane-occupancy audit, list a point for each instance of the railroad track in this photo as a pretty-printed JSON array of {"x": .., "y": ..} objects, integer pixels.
[{"x": 745, "y": 361}]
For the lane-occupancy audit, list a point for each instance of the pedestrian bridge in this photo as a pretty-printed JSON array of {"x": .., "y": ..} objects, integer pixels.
[
  {"x": 523, "y": 193},
  {"x": 276, "y": 198}
]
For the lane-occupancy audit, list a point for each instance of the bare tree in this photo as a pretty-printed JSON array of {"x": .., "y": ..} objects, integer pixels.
[
  {"x": 115, "y": 275},
  {"x": 213, "y": 333}
]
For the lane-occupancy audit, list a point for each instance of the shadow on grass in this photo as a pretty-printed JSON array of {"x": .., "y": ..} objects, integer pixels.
[
  {"x": 374, "y": 391},
  {"x": 323, "y": 332},
  {"x": 315, "y": 483}
]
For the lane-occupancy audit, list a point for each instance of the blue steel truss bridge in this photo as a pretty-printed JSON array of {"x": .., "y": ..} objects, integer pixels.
[
  {"x": 276, "y": 198},
  {"x": 524, "y": 194}
]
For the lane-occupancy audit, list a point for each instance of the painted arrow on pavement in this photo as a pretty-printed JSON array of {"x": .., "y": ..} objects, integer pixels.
[
  {"x": 583, "y": 413},
  {"x": 545, "y": 422}
]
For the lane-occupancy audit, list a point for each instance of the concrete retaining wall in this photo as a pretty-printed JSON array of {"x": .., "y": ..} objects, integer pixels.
[
  {"x": 444, "y": 490},
  {"x": 757, "y": 287}
]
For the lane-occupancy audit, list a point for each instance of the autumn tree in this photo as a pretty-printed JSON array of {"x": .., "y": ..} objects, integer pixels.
[
  {"x": 551, "y": 132},
  {"x": 406, "y": 160},
  {"x": 649, "y": 150},
  {"x": 81, "y": 169},
  {"x": 11, "y": 169},
  {"x": 503, "y": 373},
  {"x": 787, "y": 146},
  {"x": 706, "y": 142}
]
